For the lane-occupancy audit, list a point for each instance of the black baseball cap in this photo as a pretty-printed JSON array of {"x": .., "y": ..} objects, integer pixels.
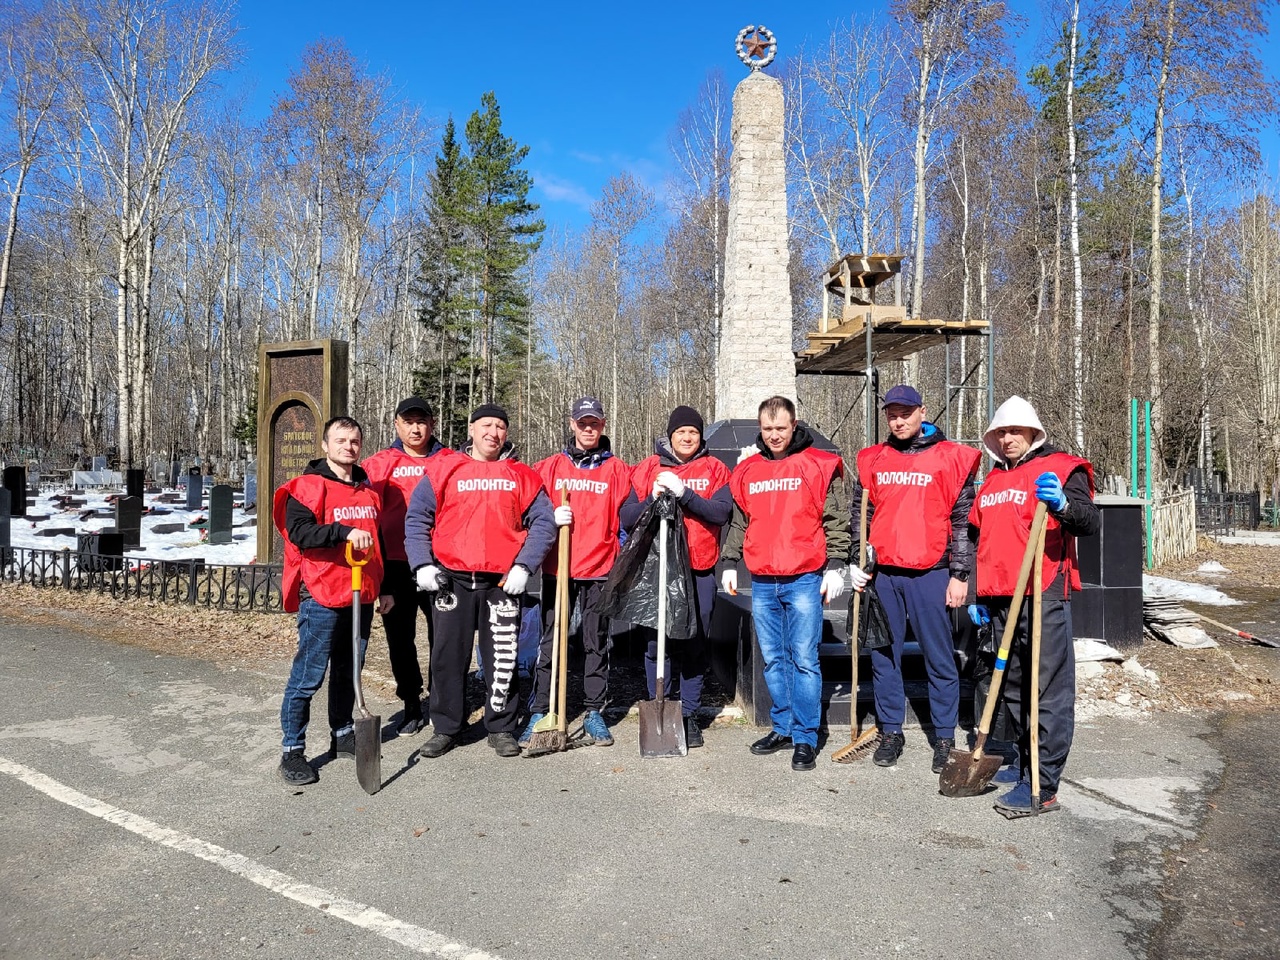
[
  {"x": 587, "y": 407},
  {"x": 409, "y": 404}
]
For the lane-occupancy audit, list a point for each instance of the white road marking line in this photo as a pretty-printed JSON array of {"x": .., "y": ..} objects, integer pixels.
[{"x": 358, "y": 914}]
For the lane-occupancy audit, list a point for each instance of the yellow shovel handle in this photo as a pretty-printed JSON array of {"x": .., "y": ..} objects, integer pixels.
[{"x": 357, "y": 575}]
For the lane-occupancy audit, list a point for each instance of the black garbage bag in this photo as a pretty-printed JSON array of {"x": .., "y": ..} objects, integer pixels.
[
  {"x": 873, "y": 625},
  {"x": 631, "y": 589}
]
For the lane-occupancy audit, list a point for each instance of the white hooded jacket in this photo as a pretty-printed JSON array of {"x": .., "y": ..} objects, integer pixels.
[{"x": 1014, "y": 412}]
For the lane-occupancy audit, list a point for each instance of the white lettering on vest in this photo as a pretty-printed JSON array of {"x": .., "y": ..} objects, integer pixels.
[
  {"x": 578, "y": 484},
  {"x": 355, "y": 513},
  {"x": 1002, "y": 496},
  {"x": 408, "y": 471},
  {"x": 773, "y": 486},
  {"x": 485, "y": 484},
  {"x": 903, "y": 478},
  {"x": 701, "y": 484}
]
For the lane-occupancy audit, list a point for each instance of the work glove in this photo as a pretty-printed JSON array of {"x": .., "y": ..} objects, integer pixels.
[
  {"x": 430, "y": 578},
  {"x": 564, "y": 515},
  {"x": 517, "y": 578},
  {"x": 748, "y": 451},
  {"x": 1049, "y": 489},
  {"x": 729, "y": 580},
  {"x": 671, "y": 483},
  {"x": 859, "y": 577},
  {"x": 979, "y": 614},
  {"x": 832, "y": 585}
]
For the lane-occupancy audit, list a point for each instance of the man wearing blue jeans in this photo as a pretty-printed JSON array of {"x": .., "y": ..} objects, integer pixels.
[
  {"x": 791, "y": 526},
  {"x": 319, "y": 514}
]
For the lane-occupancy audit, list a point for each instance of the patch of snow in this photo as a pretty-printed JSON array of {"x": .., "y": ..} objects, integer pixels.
[
  {"x": 1212, "y": 568},
  {"x": 1252, "y": 538},
  {"x": 1187, "y": 592},
  {"x": 1093, "y": 650}
]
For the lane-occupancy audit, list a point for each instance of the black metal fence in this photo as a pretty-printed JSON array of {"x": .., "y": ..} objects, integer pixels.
[
  {"x": 241, "y": 588},
  {"x": 1225, "y": 513}
]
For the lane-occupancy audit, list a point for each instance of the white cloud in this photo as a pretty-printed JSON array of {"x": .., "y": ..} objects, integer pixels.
[{"x": 559, "y": 190}]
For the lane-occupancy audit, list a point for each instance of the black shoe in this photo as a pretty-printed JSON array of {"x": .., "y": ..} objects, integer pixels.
[
  {"x": 294, "y": 769},
  {"x": 343, "y": 747},
  {"x": 803, "y": 757},
  {"x": 692, "y": 732},
  {"x": 890, "y": 749},
  {"x": 504, "y": 744},
  {"x": 437, "y": 746},
  {"x": 411, "y": 723},
  {"x": 941, "y": 750},
  {"x": 770, "y": 744}
]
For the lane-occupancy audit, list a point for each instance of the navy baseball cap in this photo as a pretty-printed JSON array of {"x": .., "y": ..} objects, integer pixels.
[
  {"x": 587, "y": 407},
  {"x": 903, "y": 396},
  {"x": 409, "y": 404}
]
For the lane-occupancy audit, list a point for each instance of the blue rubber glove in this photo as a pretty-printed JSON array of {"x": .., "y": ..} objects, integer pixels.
[
  {"x": 1049, "y": 489},
  {"x": 979, "y": 614}
]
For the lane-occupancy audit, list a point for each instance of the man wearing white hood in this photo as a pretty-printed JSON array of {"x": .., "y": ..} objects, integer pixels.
[{"x": 1026, "y": 470}]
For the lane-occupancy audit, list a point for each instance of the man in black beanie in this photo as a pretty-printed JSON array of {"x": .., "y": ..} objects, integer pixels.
[{"x": 682, "y": 466}]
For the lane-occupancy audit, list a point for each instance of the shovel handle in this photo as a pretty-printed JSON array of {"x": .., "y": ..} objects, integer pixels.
[
  {"x": 362, "y": 712},
  {"x": 660, "y": 685},
  {"x": 562, "y": 626},
  {"x": 357, "y": 575},
  {"x": 1034, "y": 546},
  {"x": 1036, "y": 612}
]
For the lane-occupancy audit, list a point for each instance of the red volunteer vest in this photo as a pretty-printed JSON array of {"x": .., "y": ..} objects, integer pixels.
[
  {"x": 596, "y": 496},
  {"x": 783, "y": 501},
  {"x": 913, "y": 495},
  {"x": 480, "y": 508},
  {"x": 393, "y": 474},
  {"x": 1002, "y": 512},
  {"x": 324, "y": 570},
  {"x": 704, "y": 476}
]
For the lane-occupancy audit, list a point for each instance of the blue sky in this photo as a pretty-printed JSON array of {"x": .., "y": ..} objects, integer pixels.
[{"x": 593, "y": 88}]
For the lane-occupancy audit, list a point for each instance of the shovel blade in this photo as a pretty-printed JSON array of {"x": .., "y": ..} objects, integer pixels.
[
  {"x": 967, "y": 774},
  {"x": 662, "y": 729},
  {"x": 369, "y": 753}
]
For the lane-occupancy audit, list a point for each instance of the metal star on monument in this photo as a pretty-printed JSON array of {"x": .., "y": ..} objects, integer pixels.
[{"x": 756, "y": 45}]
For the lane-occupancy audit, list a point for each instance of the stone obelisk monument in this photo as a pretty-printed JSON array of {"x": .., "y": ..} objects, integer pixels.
[{"x": 755, "y": 359}]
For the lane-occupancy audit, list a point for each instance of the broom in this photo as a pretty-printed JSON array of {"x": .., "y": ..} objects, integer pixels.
[
  {"x": 858, "y": 746},
  {"x": 549, "y": 734}
]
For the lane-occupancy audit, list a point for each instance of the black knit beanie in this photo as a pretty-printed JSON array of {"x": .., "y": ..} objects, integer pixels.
[
  {"x": 683, "y": 416},
  {"x": 489, "y": 410}
]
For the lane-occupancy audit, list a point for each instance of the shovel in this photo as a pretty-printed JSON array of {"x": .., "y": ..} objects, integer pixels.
[
  {"x": 1037, "y": 587},
  {"x": 858, "y": 746},
  {"x": 661, "y": 723},
  {"x": 549, "y": 733},
  {"x": 968, "y": 774},
  {"x": 368, "y": 727}
]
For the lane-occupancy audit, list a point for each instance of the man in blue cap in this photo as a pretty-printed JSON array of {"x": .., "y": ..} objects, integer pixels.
[{"x": 921, "y": 489}]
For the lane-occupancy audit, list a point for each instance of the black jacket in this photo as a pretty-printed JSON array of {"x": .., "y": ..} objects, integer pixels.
[
  {"x": 715, "y": 509},
  {"x": 305, "y": 531}
]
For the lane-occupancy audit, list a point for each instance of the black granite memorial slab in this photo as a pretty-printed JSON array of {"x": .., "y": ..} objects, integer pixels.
[
  {"x": 129, "y": 521},
  {"x": 220, "y": 509}
]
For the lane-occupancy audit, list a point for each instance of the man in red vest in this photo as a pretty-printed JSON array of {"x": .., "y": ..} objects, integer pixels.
[
  {"x": 921, "y": 488},
  {"x": 478, "y": 525},
  {"x": 682, "y": 466},
  {"x": 318, "y": 514},
  {"x": 1027, "y": 470},
  {"x": 791, "y": 527},
  {"x": 393, "y": 473},
  {"x": 599, "y": 485}
]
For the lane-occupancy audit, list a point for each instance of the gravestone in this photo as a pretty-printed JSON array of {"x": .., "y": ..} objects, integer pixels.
[
  {"x": 99, "y": 464},
  {"x": 174, "y": 469},
  {"x": 4, "y": 517},
  {"x": 250, "y": 484},
  {"x": 15, "y": 481},
  {"x": 134, "y": 482},
  {"x": 56, "y": 532},
  {"x": 100, "y": 551},
  {"x": 300, "y": 386},
  {"x": 220, "y": 515},
  {"x": 168, "y": 528},
  {"x": 129, "y": 521},
  {"x": 195, "y": 488}
]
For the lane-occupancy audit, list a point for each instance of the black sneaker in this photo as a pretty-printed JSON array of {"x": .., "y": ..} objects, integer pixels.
[
  {"x": 890, "y": 749},
  {"x": 772, "y": 742},
  {"x": 437, "y": 746},
  {"x": 504, "y": 744},
  {"x": 692, "y": 732},
  {"x": 941, "y": 750},
  {"x": 294, "y": 769},
  {"x": 343, "y": 747},
  {"x": 412, "y": 722}
]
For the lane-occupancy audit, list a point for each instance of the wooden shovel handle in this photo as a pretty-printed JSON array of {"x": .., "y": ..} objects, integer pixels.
[
  {"x": 1036, "y": 611},
  {"x": 562, "y": 626}
]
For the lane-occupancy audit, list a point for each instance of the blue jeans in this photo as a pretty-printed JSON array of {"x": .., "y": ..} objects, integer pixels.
[
  {"x": 788, "y": 617},
  {"x": 324, "y": 636}
]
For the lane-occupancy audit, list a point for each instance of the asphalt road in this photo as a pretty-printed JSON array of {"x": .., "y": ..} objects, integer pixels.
[{"x": 142, "y": 817}]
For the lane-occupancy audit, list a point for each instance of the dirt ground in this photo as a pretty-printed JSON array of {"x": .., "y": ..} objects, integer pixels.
[{"x": 1234, "y": 675}]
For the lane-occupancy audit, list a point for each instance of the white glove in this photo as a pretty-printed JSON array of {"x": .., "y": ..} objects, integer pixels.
[
  {"x": 517, "y": 578},
  {"x": 729, "y": 580},
  {"x": 748, "y": 451},
  {"x": 430, "y": 578},
  {"x": 670, "y": 482},
  {"x": 859, "y": 577},
  {"x": 832, "y": 585},
  {"x": 564, "y": 516}
]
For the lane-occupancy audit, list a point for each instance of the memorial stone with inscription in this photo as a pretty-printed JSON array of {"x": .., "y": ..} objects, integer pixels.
[
  {"x": 129, "y": 521},
  {"x": 134, "y": 481},
  {"x": 220, "y": 515},
  {"x": 300, "y": 387},
  {"x": 195, "y": 488},
  {"x": 250, "y": 484}
]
